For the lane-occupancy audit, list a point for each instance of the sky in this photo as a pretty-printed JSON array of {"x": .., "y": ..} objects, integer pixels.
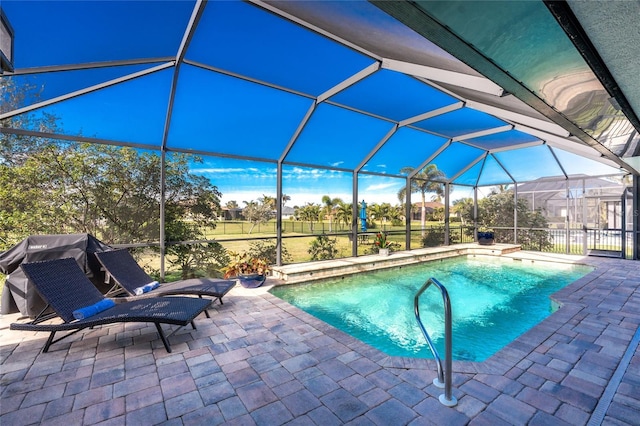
[
  {"x": 251, "y": 180},
  {"x": 241, "y": 181}
]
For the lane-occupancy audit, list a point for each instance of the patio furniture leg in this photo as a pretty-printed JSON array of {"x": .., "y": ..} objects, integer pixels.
[
  {"x": 167, "y": 346},
  {"x": 206, "y": 311},
  {"x": 45, "y": 349}
]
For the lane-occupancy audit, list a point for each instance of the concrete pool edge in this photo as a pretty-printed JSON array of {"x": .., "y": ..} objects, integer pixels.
[
  {"x": 318, "y": 270},
  {"x": 503, "y": 360}
]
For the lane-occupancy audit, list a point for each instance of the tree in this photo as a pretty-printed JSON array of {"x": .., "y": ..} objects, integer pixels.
[
  {"x": 380, "y": 211},
  {"x": 329, "y": 208},
  {"x": 285, "y": 198},
  {"x": 496, "y": 211},
  {"x": 463, "y": 207},
  {"x": 425, "y": 181},
  {"x": 17, "y": 149},
  {"x": 256, "y": 213},
  {"x": 310, "y": 212},
  {"x": 344, "y": 213},
  {"x": 396, "y": 215},
  {"x": 48, "y": 186},
  {"x": 438, "y": 214},
  {"x": 268, "y": 201}
]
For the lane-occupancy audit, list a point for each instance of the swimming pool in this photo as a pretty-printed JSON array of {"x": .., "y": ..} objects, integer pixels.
[{"x": 493, "y": 302}]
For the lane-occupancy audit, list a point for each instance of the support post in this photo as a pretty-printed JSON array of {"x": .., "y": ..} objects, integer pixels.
[
  {"x": 567, "y": 222},
  {"x": 279, "y": 214},
  {"x": 515, "y": 214},
  {"x": 585, "y": 233},
  {"x": 354, "y": 215},
  {"x": 475, "y": 213},
  {"x": 408, "y": 213},
  {"x": 636, "y": 217},
  {"x": 623, "y": 224},
  {"x": 447, "y": 239},
  {"x": 163, "y": 177}
]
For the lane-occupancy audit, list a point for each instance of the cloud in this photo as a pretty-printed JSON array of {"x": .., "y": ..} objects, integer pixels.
[
  {"x": 218, "y": 170},
  {"x": 300, "y": 173},
  {"x": 382, "y": 186}
]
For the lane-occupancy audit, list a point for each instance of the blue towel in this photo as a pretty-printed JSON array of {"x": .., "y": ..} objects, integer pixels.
[
  {"x": 147, "y": 288},
  {"x": 89, "y": 311}
]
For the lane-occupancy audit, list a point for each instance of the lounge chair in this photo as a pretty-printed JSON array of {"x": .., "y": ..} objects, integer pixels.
[
  {"x": 128, "y": 277},
  {"x": 66, "y": 290}
]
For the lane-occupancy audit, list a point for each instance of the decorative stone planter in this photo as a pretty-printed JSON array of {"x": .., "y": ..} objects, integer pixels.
[
  {"x": 251, "y": 280},
  {"x": 383, "y": 252}
]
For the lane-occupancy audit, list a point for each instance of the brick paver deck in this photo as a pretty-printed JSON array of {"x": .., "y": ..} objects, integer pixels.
[{"x": 259, "y": 360}]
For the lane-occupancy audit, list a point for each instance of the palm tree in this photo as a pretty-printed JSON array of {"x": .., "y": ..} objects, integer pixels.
[
  {"x": 309, "y": 212},
  {"x": 268, "y": 201},
  {"x": 380, "y": 211},
  {"x": 463, "y": 208},
  {"x": 396, "y": 213},
  {"x": 284, "y": 199},
  {"x": 423, "y": 182},
  {"x": 344, "y": 213},
  {"x": 233, "y": 208},
  {"x": 499, "y": 189},
  {"x": 329, "y": 206}
]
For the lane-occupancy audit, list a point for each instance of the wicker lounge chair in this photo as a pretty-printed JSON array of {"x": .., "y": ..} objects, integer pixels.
[
  {"x": 65, "y": 288},
  {"x": 128, "y": 276}
]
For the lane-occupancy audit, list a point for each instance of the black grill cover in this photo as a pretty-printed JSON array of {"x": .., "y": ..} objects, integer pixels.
[{"x": 18, "y": 293}]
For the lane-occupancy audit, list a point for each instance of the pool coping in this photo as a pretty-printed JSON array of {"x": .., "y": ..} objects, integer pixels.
[
  {"x": 500, "y": 362},
  {"x": 318, "y": 270}
]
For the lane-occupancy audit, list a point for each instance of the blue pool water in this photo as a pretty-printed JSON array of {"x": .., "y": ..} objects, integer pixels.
[{"x": 493, "y": 301}]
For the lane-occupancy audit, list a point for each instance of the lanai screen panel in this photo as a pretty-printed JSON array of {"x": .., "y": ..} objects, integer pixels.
[
  {"x": 575, "y": 165},
  {"x": 394, "y": 95},
  {"x": 133, "y": 111},
  {"x": 222, "y": 114},
  {"x": 531, "y": 163},
  {"x": 455, "y": 158},
  {"x": 511, "y": 138},
  {"x": 46, "y": 86},
  {"x": 486, "y": 172},
  {"x": 75, "y": 32},
  {"x": 338, "y": 138},
  {"x": 250, "y": 77},
  {"x": 460, "y": 122},
  {"x": 406, "y": 148},
  {"x": 244, "y": 39}
]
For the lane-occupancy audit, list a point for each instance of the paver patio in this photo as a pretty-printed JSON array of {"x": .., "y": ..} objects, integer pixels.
[{"x": 259, "y": 360}]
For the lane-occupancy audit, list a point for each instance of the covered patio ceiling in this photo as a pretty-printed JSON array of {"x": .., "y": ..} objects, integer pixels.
[{"x": 490, "y": 92}]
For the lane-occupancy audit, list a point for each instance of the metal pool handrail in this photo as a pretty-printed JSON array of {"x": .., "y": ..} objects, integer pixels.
[{"x": 444, "y": 377}]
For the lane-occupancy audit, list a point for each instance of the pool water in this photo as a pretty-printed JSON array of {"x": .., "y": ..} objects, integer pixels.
[{"x": 493, "y": 301}]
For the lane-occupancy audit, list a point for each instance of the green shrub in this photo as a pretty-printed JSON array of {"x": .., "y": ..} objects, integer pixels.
[
  {"x": 267, "y": 249},
  {"x": 323, "y": 248}
]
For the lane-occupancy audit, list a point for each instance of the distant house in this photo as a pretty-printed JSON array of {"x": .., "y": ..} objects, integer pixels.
[
  {"x": 430, "y": 207},
  {"x": 236, "y": 214},
  {"x": 287, "y": 212},
  {"x": 231, "y": 214}
]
